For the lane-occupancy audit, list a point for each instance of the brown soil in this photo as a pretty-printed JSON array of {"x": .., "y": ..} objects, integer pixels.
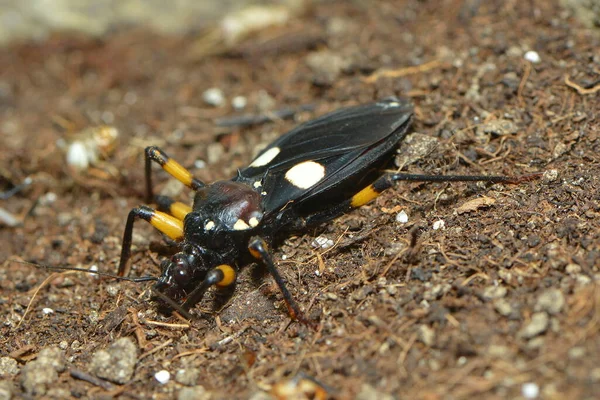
[{"x": 505, "y": 295}]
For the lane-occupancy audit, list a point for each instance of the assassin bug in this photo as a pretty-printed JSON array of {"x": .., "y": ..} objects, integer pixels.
[{"x": 316, "y": 172}]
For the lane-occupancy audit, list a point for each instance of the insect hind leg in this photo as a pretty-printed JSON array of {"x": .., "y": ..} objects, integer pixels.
[
  {"x": 171, "y": 166},
  {"x": 388, "y": 180}
]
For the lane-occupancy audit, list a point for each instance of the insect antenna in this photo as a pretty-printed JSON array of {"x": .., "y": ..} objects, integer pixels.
[{"x": 89, "y": 271}]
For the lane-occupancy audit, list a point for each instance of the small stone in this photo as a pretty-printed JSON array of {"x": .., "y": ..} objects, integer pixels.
[
  {"x": 8, "y": 367},
  {"x": 549, "y": 176},
  {"x": 552, "y": 301},
  {"x": 322, "y": 242},
  {"x": 576, "y": 353},
  {"x": 537, "y": 325},
  {"x": 361, "y": 293},
  {"x": 530, "y": 390},
  {"x": 503, "y": 307},
  {"x": 38, "y": 375},
  {"x": 326, "y": 66},
  {"x": 187, "y": 376},
  {"x": 402, "y": 217},
  {"x": 439, "y": 224},
  {"x": 498, "y": 127},
  {"x": 213, "y": 97},
  {"x": 573, "y": 268},
  {"x": 6, "y": 390},
  {"x": 194, "y": 393},
  {"x": 214, "y": 152},
  {"x": 163, "y": 377},
  {"x": 368, "y": 392},
  {"x": 426, "y": 335},
  {"x": 117, "y": 362},
  {"x": 436, "y": 292},
  {"x": 239, "y": 102},
  {"x": 260, "y": 395},
  {"x": 532, "y": 56},
  {"x": 498, "y": 351},
  {"x": 494, "y": 292}
]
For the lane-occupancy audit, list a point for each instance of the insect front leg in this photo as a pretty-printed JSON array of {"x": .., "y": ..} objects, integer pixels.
[
  {"x": 221, "y": 276},
  {"x": 260, "y": 251},
  {"x": 172, "y": 167},
  {"x": 175, "y": 208},
  {"x": 167, "y": 224}
]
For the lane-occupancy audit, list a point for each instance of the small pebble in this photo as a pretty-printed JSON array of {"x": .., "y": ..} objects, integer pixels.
[
  {"x": 163, "y": 376},
  {"x": 426, "y": 335},
  {"x": 194, "y": 393},
  {"x": 503, "y": 307},
  {"x": 552, "y": 301},
  {"x": 402, "y": 217},
  {"x": 532, "y": 56},
  {"x": 439, "y": 224},
  {"x": 321, "y": 242},
  {"x": 539, "y": 324},
  {"x": 214, "y": 97},
  {"x": 47, "y": 310},
  {"x": 8, "y": 367},
  {"x": 199, "y": 164},
  {"x": 239, "y": 102},
  {"x": 38, "y": 376},
  {"x": 494, "y": 292},
  {"x": 117, "y": 362},
  {"x": 530, "y": 390},
  {"x": 550, "y": 175},
  {"x": 187, "y": 376},
  {"x": 6, "y": 390}
]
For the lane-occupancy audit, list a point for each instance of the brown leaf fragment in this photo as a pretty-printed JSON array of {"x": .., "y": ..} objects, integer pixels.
[{"x": 475, "y": 204}]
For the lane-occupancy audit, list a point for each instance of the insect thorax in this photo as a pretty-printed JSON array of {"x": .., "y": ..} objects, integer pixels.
[{"x": 224, "y": 206}]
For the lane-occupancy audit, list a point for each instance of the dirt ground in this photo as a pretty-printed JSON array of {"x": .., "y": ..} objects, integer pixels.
[{"x": 502, "y": 300}]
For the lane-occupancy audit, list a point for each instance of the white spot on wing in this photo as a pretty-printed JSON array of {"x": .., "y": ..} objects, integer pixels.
[
  {"x": 240, "y": 225},
  {"x": 253, "y": 222},
  {"x": 257, "y": 184},
  {"x": 306, "y": 174},
  {"x": 266, "y": 157},
  {"x": 209, "y": 225}
]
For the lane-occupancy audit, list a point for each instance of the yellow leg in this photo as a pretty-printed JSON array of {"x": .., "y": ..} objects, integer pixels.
[
  {"x": 167, "y": 224},
  {"x": 175, "y": 208},
  {"x": 172, "y": 167}
]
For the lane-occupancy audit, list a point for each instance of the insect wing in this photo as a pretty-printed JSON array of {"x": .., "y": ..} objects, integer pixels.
[{"x": 327, "y": 152}]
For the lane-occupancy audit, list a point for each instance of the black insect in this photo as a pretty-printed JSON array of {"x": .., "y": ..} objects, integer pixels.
[{"x": 314, "y": 173}]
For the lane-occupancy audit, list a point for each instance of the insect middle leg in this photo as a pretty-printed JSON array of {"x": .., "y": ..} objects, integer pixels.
[
  {"x": 165, "y": 223},
  {"x": 172, "y": 167}
]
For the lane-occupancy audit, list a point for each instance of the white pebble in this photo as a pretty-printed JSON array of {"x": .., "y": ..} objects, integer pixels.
[
  {"x": 439, "y": 224},
  {"x": 214, "y": 97},
  {"x": 321, "y": 242},
  {"x": 47, "y": 310},
  {"x": 162, "y": 376},
  {"x": 78, "y": 156},
  {"x": 199, "y": 164},
  {"x": 532, "y": 56},
  {"x": 530, "y": 390},
  {"x": 239, "y": 102},
  {"x": 402, "y": 217}
]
